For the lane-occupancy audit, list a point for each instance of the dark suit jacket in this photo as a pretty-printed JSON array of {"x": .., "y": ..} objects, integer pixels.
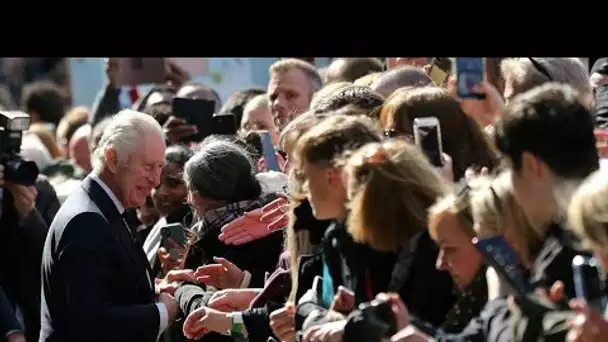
[
  {"x": 21, "y": 254},
  {"x": 95, "y": 280}
]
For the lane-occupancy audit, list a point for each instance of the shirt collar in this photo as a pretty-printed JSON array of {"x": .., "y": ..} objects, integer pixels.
[{"x": 119, "y": 206}]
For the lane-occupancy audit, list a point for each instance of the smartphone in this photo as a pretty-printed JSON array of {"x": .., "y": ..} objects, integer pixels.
[
  {"x": 223, "y": 124},
  {"x": 440, "y": 70},
  {"x": 427, "y": 136},
  {"x": 498, "y": 254},
  {"x": 588, "y": 282},
  {"x": 135, "y": 71},
  {"x": 470, "y": 72},
  {"x": 270, "y": 155},
  {"x": 175, "y": 232},
  {"x": 197, "y": 112}
]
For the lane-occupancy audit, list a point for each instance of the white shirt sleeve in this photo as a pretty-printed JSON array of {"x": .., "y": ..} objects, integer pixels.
[
  {"x": 164, "y": 318},
  {"x": 246, "y": 280}
]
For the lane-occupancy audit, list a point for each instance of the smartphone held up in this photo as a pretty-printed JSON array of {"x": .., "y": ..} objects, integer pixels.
[{"x": 470, "y": 73}]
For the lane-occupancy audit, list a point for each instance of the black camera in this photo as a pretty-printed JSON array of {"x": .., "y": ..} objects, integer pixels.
[
  {"x": 16, "y": 170},
  {"x": 373, "y": 322}
]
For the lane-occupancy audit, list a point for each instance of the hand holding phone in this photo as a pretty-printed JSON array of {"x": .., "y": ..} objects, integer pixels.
[
  {"x": 173, "y": 239},
  {"x": 427, "y": 136},
  {"x": 587, "y": 282},
  {"x": 269, "y": 152},
  {"x": 440, "y": 70},
  {"x": 470, "y": 74}
]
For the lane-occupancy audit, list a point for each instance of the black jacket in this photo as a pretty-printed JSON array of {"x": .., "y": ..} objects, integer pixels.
[
  {"x": 21, "y": 255},
  {"x": 96, "y": 278}
]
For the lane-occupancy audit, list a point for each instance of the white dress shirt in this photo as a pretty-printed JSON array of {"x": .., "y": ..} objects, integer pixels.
[{"x": 162, "y": 308}]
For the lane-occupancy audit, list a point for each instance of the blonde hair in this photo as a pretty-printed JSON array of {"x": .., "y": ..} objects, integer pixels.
[
  {"x": 492, "y": 204},
  {"x": 390, "y": 185},
  {"x": 454, "y": 205},
  {"x": 588, "y": 212}
]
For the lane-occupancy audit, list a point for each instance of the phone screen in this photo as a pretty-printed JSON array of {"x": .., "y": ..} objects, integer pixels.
[
  {"x": 587, "y": 281},
  {"x": 440, "y": 69},
  {"x": 269, "y": 152},
  {"x": 428, "y": 139},
  {"x": 197, "y": 112},
  {"x": 470, "y": 72},
  {"x": 224, "y": 124},
  {"x": 177, "y": 234},
  {"x": 498, "y": 254}
]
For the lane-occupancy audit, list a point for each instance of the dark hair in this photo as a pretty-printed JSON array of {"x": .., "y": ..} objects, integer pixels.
[
  {"x": 142, "y": 102},
  {"x": 254, "y": 141},
  {"x": 222, "y": 170},
  {"x": 45, "y": 99},
  {"x": 160, "y": 112},
  {"x": 359, "y": 96},
  {"x": 350, "y": 69},
  {"x": 237, "y": 101},
  {"x": 178, "y": 155},
  {"x": 551, "y": 122}
]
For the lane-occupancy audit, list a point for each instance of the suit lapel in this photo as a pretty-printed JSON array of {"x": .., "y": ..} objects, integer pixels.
[{"x": 120, "y": 229}]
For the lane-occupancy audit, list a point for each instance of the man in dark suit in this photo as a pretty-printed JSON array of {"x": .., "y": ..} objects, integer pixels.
[{"x": 96, "y": 278}]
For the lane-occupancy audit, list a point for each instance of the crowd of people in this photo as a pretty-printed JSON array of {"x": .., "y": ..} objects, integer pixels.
[{"x": 356, "y": 234}]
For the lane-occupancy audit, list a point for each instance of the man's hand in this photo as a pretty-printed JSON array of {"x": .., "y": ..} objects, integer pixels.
[
  {"x": 328, "y": 332},
  {"x": 223, "y": 275},
  {"x": 255, "y": 224},
  {"x": 282, "y": 323},
  {"x": 176, "y": 130},
  {"x": 173, "y": 280},
  {"x": 402, "y": 317},
  {"x": 232, "y": 299},
  {"x": 171, "y": 304},
  {"x": 24, "y": 198},
  {"x": 203, "y": 320}
]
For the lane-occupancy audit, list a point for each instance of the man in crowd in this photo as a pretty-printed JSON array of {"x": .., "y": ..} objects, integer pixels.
[
  {"x": 96, "y": 279},
  {"x": 292, "y": 84}
]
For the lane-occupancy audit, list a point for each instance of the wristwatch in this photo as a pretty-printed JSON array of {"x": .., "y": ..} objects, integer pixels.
[{"x": 237, "y": 322}]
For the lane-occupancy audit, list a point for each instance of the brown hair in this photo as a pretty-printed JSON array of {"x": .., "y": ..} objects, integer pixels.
[
  {"x": 47, "y": 138},
  {"x": 350, "y": 69},
  {"x": 463, "y": 140},
  {"x": 390, "y": 186},
  {"x": 326, "y": 91},
  {"x": 327, "y": 141},
  {"x": 75, "y": 118}
]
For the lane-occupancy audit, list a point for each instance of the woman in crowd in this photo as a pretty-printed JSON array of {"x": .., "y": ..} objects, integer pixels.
[
  {"x": 169, "y": 198},
  {"x": 461, "y": 137},
  {"x": 451, "y": 227},
  {"x": 394, "y": 227},
  {"x": 222, "y": 187},
  {"x": 588, "y": 217}
]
